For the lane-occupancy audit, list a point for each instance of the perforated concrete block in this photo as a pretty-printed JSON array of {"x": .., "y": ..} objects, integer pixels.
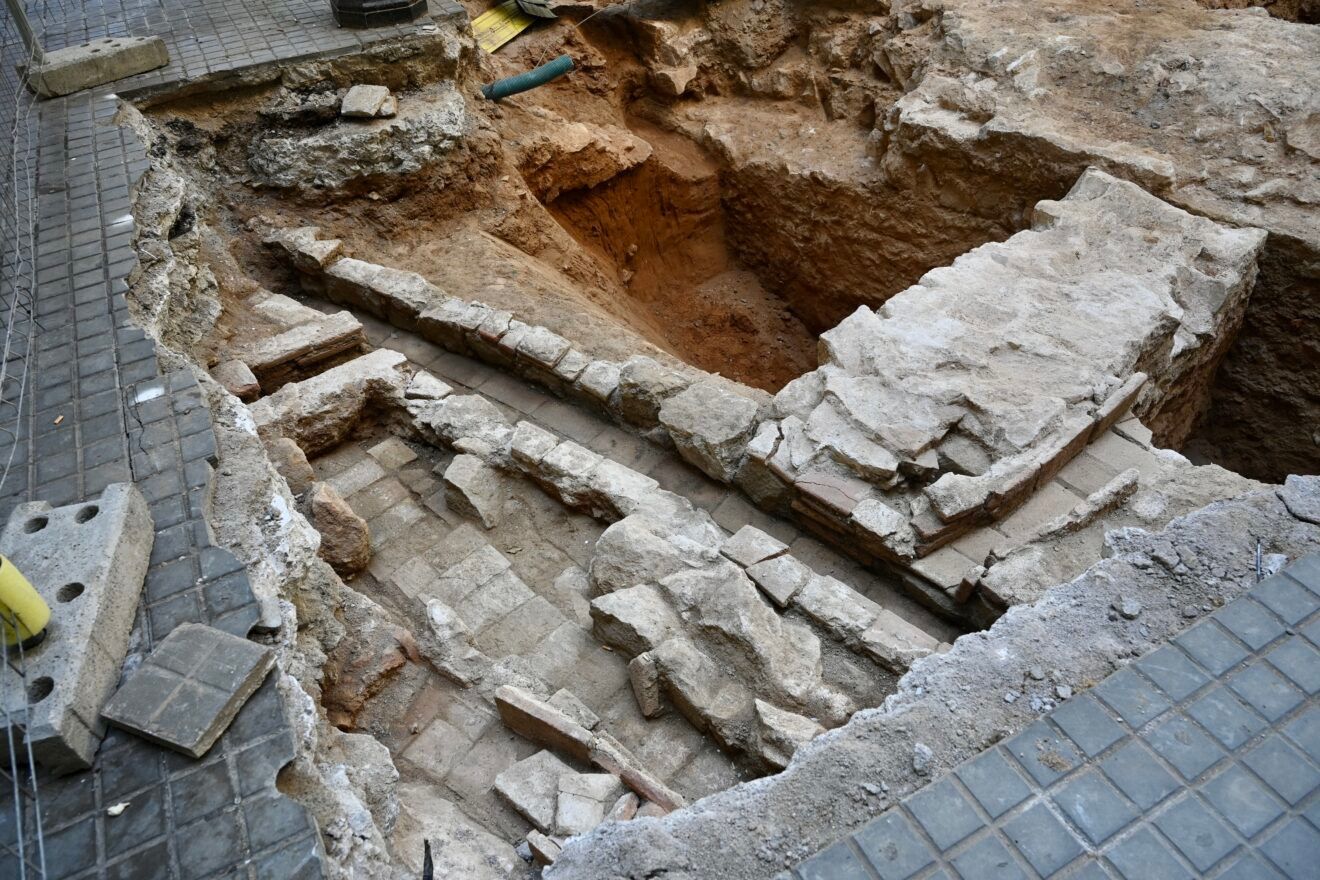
[{"x": 88, "y": 561}]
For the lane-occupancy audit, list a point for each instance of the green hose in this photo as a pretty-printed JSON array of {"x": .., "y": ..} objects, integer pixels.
[{"x": 531, "y": 79}]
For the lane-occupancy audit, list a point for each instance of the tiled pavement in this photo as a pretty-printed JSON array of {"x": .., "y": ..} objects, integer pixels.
[
  {"x": 95, "y": 409},
  {"x": 1202, "y": 759}
]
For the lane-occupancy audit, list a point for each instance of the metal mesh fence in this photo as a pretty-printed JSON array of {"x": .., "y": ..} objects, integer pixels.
[{"x": 24, "y": 849}]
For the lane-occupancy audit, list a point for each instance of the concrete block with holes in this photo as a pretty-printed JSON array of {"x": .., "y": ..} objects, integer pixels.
[{"x": 88, "y": 561}]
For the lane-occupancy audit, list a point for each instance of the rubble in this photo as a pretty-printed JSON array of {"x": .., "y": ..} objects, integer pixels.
[
  {"x": 345, "y": 538},
  {"x": 368, "y": 102}
]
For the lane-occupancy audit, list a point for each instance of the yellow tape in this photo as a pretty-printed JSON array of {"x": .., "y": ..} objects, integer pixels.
[{"x": 497, "y": 26}]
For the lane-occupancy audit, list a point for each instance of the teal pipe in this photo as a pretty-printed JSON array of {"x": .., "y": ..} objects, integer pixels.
[{"x": 531, "y": 79}]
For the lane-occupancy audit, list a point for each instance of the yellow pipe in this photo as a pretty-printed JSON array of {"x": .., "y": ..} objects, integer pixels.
[{"x": 23, "y": 613}]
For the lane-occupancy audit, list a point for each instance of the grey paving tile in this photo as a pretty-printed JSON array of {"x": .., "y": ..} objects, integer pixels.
[
  {"x": 837, "y": 862},
  {"x": 1211, "y": 646},
  {"x": 993, "y": 781},
  {"x": 1180, "y": 742},
  {"x": 1242, "y": 800},
  {"x": 1043, "y": 753},
  {"x": 1088, "y": 724},
  {"x": 1299, "y": 661},
  {"x": 1198, "y": 834},
  {"x": 1094, "y": 806},
  {"x": 892, "y": 847},
  {"x": 1046, "y": 843},
  {"x": 988, "y": 859},
  {"x": 1305, "y": 731},
  {"x": 1268, "y": 692},
  {"x": 1250, "y": 622},
  {"x": 1286, "y": 598},
  {"x": 944, "y": 813},
  {"x": 1230, "y": 720},
  {"x": 1293, "y": 849},
  {"x": 1132, "y": 697},
  {"x": 1145, "y": 855},
  {"x": 1138, "y": 775},
  {"x": 1284, "y": 769},
  {"x": 1249, "y": 866}
]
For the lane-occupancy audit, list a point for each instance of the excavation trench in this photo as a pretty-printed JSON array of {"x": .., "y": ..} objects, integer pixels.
[{"x": 725, "y": 230}]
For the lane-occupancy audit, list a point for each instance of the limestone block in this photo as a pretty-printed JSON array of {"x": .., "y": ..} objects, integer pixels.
[
  {"x": 704, "y": 693},
  {"x": 894, "y": 643},
  {"x": 780, "y": 578},
  {"x": 781, "y": 733},
  {"x": 750, "y": 545},
  {"x": 237, "y": 379},
  {"x": 291, "y": 463},
  {"x": 634, "y": 620},
  {"x": 644, "y": 386},
  {"x": 542, "y": 723},
  {"x": 583, "y": 800},
  {"x": 837, "y": 607},
  {"x": 318, "y": 413},
  {"x": 644, "y": 676},
  {"x": 710, "y": 427},
  {"x": 87, "y": 561},
  {"x": 531, "y": 787},
  {"x": 529, "y": 444},
  {"x": 614, "y": 491},
  {"x": 610, "y": 755},
  {"x": 542, "y": 348},
  {"x": 599, "y": 380},
  {"x": 345, "y": 537},
  {"x": 475, "y": 489},
  {"x": 461, "y": 416},
  {"x": 424, "y": 386},
  {"x": 567, "y": 702},
  {"x": 392, "y": 453},
  {"x": 282, "y": 310},
  {"x": 283, "y": 357},
  {"x": 624, "y": 808},
  {"x": 364, "y": 101},
  {"x": 878, "y": 523},
  {"x": 545, "y": 851},
  {"x": 634, "y": 551}
]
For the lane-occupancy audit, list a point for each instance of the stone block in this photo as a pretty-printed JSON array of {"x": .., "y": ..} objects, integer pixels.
[
  {"x": 841, "y": 610},
  {"x": 529, "y": 445},
  {"x": 583, "y": 800},
  {"x": 72, "y": 69},
  {"x": 599, "y": 380},
  {"x": 544, "y": 849},
  {"x": 780, "y": 578},
  {"x": 345, "y": 537},
  {"x": 644, "y": 676},
  {"x": 780, "y": 733},
  {"x": 542, "y": 723},
  {"x": 365, "y": 102},
  {"x": 424, "y": 386},
  {"x": 186, "y": 692},
  {"x": 894, "y": 643},
  {"x": 291, "y": 464},
  {"x": 644, "y": 386},
  {"x": 238, "y": 379},
  {"x": 567, "y": 702},
  {"x": 475, "y": 489},
  {"x": 609, "y": 754},
  {"x": 286, "y": 311},
  {"x": 531, "y": 787},
  {"x": 634, "y": 620},
  {"x": 286, "y": 356},
  {"x": 88, "y": 562},
  {"x": 749, "y": 545},
  {"x": 624, "y": 808},
  {"x": 710, "y": 427},
  {"x": 392, "y": 453}
]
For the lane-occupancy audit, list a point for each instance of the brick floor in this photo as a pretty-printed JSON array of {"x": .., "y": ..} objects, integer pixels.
[{"x": 1201, "y": 759}]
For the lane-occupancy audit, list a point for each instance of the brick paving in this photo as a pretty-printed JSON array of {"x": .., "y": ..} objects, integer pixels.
[
  {"x": 97, "y": 409},
  {"x": 1201, "y": 759}
]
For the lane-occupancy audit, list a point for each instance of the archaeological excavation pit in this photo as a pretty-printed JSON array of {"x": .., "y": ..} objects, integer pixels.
[{"x": 596, "y": 451}]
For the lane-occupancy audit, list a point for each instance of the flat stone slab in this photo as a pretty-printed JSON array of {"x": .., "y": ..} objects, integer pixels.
[
  {"x": 88, "y": 562},
  {"x": 532, "y": 788},
  {"x": 287, "y": 356},
  {"x": 75, "y": 68},
  {"x": 186, "y": 692}
]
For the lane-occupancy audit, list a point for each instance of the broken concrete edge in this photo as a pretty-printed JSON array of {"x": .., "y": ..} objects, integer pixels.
[
  {"x": 991, "y": 685},
  {"x": 88, "y": 561}
]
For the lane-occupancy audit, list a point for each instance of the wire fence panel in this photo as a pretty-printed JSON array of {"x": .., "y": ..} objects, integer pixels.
[{"x": 25, "y": 849}]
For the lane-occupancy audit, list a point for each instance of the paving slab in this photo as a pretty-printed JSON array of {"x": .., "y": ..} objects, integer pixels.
[{"x": 190, "y": 688}]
